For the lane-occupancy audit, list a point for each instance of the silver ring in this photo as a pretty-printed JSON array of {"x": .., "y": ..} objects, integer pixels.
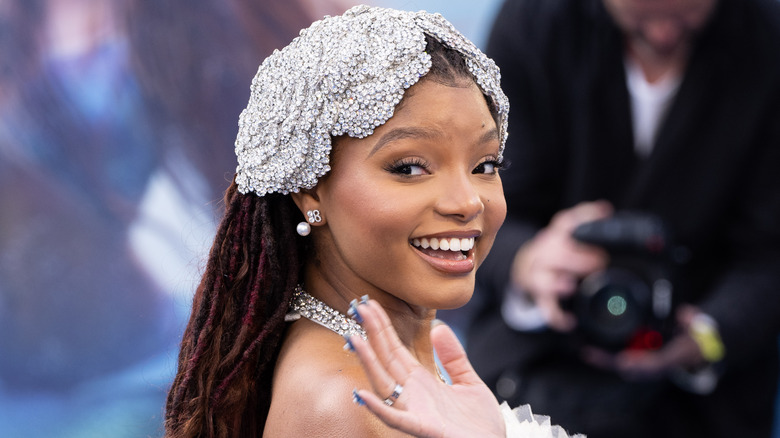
[{"x": 394, "y": 396}]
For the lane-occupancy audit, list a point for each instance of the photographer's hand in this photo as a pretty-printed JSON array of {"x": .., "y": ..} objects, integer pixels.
[
  {"x": 681, "y": 352},
  {"x": 549, "y": 266}
]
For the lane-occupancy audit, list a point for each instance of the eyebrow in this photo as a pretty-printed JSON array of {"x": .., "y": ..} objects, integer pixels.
[
  {"x": 402, "y": 133},
  {"x": 489, "y": 136},
  {"x": 423, "y": 133}
]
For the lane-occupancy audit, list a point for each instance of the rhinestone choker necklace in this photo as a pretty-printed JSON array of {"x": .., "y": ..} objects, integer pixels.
[{"x": 315, "y": 310}]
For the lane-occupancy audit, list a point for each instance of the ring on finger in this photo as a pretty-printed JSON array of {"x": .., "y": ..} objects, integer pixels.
[{"x": 394, "y": 396}]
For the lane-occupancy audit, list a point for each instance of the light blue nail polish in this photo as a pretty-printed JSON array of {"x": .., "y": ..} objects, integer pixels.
[
  {"x": 353, "y": 311},
  {"x": 364, "y": 299},
  {"x": 348, "y": 346},
  {"x": 357, "y": 399}
]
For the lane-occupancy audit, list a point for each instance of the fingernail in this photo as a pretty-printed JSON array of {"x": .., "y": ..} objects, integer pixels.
[
  {"x": 348, "y": 346},
  {"x": 357, "y": 399},
  {"x": 364, "y": 299},
  {"x": 436, "y": 322},
  {"x": 353, "y": 311}
]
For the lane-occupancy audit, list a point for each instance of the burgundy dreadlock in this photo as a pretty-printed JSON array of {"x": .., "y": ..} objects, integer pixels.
[{"x": 222, "y": 387}]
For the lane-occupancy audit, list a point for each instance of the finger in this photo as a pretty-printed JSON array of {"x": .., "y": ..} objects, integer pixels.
[
  {"x": 386, "y": 365},
  {"x": 580, "y": 260},
  {"x": 598, "y": 358},
  {"x": 685, "y": 315},
  {"x": 638, "y": 362},
  {"x": 593, "y": 210},
  {"x": 390, "y": 351},
  {"x": 376, "y": 371},
  {"x": 386, "y": 343},
  {"x": 550, "y": 284},
  {"x": 583, "y": 212},
  {"x": 560, "y": 251},
  {"x": 555, "y": 316},
  {"x": 680, "y": 351},
  {"x": 566, "y": 256},
  {"x": 392, "y": 416},
  {"x": 640, "y": 365},
  {"x": 561, "y": 284},
  {"x": 452, "y": 356},
  {"x": 380, "y": 331}
]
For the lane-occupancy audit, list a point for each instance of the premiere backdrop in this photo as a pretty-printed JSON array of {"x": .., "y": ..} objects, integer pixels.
[{"x": 117, "y": 122}]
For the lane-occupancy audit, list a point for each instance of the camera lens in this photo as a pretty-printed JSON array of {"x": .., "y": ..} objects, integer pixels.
[{"x": 612, "y": 306}]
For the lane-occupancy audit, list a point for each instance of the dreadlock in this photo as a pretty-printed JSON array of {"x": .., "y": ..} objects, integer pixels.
[{"x": 222, "y": 386}]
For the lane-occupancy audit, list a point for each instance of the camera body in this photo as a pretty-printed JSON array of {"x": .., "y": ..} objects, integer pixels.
[{"x": 628, "y": 305}]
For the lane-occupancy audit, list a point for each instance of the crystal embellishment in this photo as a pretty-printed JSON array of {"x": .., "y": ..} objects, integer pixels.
[
  {"x": 315, "y": 310},
  {"x": 343, "y": 75}
]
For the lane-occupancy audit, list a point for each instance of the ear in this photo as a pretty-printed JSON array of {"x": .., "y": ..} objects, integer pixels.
[{"x": 307, "y": 200}]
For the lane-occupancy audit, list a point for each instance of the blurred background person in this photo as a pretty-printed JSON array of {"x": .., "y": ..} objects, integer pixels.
[{"x": 669, "y": 110}]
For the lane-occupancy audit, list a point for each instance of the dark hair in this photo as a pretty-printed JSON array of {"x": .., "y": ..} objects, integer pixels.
[
  {"x": 222, "y": 387},
  {"x": 449, "y": 68},
  {"x": 229, "y": 349}
]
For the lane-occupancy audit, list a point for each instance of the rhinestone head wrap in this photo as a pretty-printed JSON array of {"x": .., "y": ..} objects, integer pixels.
[{"x": 342, "y": 75}]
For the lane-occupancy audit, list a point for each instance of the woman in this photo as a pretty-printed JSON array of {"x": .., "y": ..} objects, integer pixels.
[{"x": 383, "y": 130}]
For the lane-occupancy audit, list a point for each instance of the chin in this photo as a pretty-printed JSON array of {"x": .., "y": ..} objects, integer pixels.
[{"x": 455, "y": 299}]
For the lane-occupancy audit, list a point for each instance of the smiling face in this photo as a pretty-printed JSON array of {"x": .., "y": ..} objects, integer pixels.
[{"x": 412, "y": 210}]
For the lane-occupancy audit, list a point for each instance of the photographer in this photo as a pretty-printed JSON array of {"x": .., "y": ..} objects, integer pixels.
[{"x": 670, "y": 108}]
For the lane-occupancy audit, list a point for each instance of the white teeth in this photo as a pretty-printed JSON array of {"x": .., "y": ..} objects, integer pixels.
[{"x": 453, "y": 244}]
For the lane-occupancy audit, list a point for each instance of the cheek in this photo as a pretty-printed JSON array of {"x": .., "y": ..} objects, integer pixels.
[
  {"x": 368, "y": 216},
  {"x": 495, "y": 213},
  {"x": 495, "y": 204},
  {"x": 499, "y": 204}
]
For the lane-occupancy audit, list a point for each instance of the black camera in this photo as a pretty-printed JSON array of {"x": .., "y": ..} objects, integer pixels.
[{"x": 629, "y": 305}]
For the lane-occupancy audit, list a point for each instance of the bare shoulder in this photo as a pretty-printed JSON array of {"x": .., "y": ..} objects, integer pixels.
[{"x": 312, "y": 389}]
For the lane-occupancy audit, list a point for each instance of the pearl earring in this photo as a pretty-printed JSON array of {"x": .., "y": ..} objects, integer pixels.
[
  {"x": 313, "y": 217},
  {"x": 303, "y": 228}
]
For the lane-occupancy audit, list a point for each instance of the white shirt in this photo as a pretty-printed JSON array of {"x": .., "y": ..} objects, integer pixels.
[{"x": 649, "y": 104}]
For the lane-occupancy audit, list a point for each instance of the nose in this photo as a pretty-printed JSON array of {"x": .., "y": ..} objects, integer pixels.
[{"x": 460, "y": 198}]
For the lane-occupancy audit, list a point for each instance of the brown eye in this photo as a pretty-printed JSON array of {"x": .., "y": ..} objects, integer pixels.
[
  {"x": 488, "y": 167},
  {"x": 410, "y": 167}
]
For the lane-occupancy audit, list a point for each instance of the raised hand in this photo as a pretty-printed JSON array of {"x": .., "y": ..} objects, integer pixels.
[{"x": 408, "y": 397}]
